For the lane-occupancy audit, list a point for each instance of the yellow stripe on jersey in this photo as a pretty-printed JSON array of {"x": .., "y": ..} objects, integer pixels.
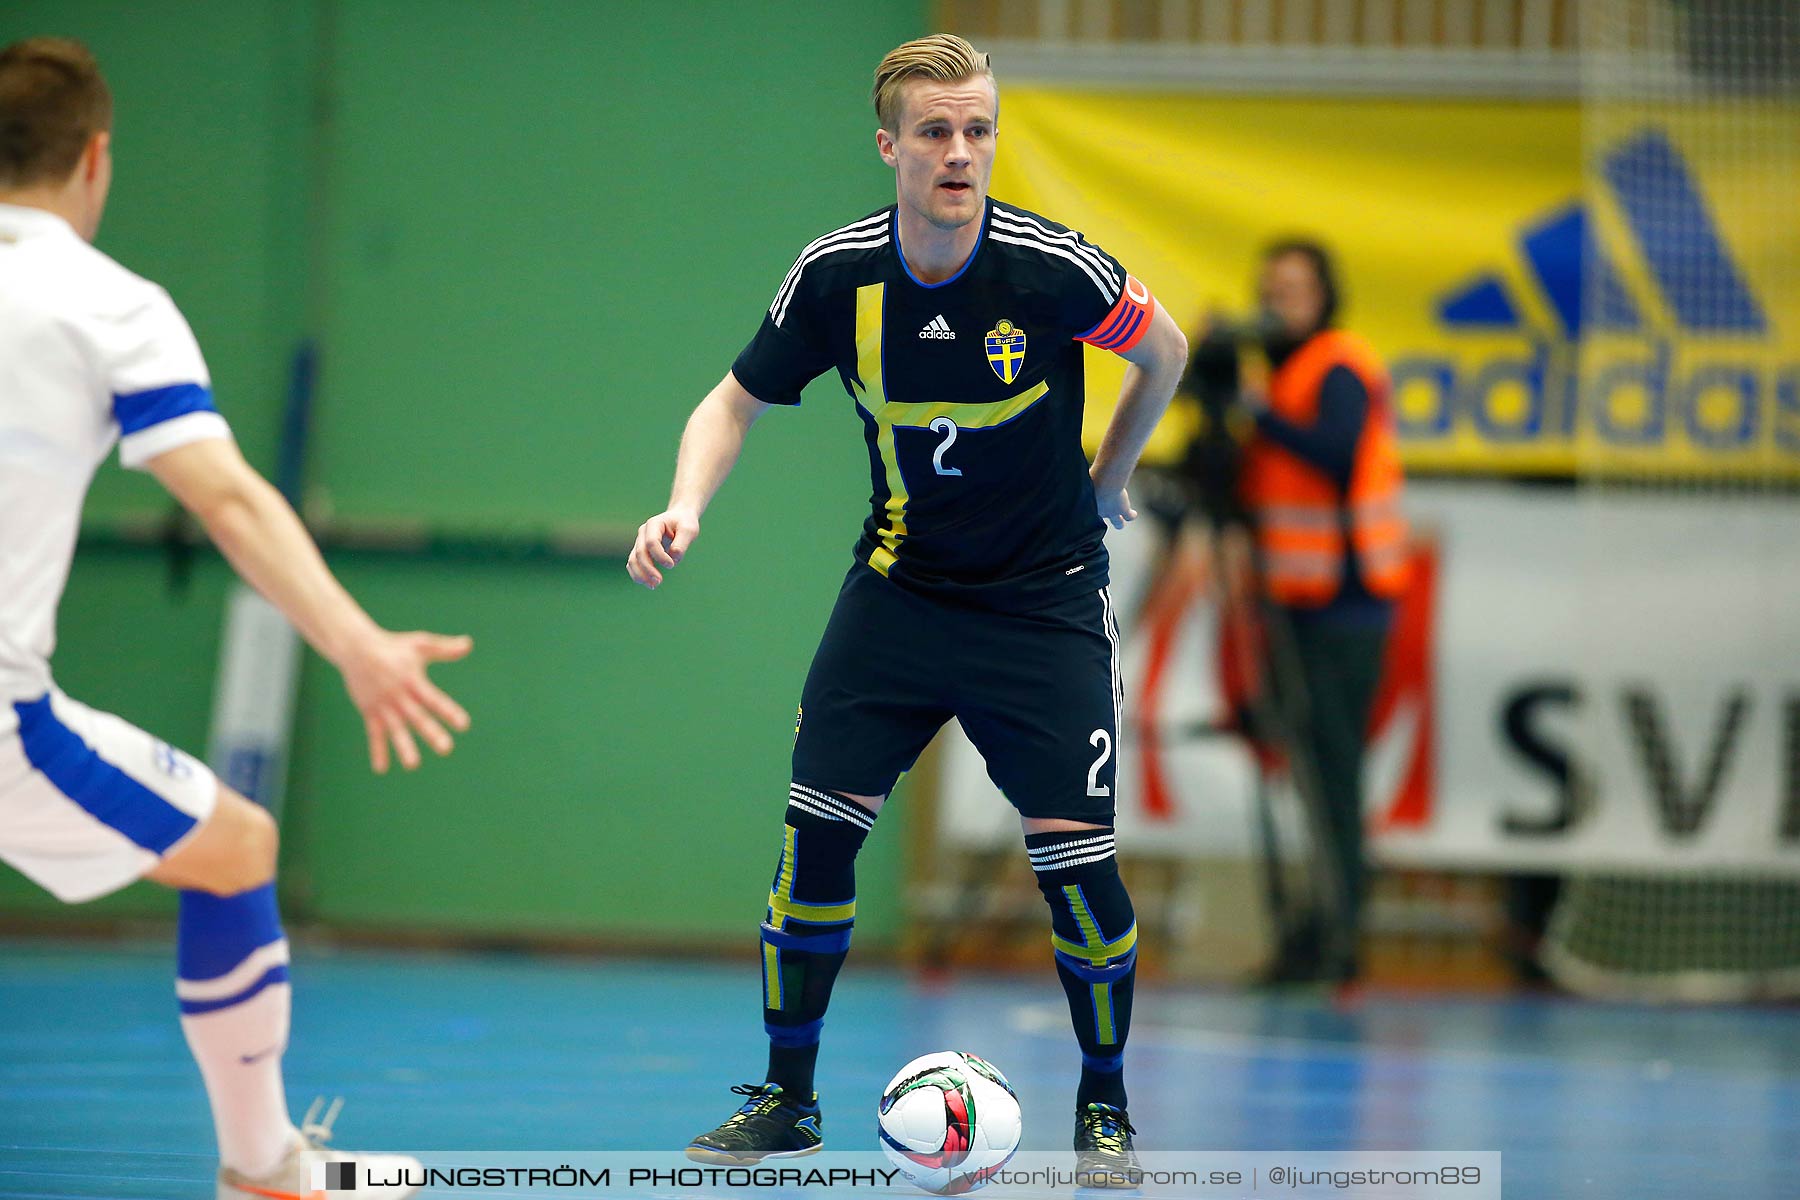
[
  {"x": 869, "y": 300},
  {"x": 888, "y": 417},
  {"x": 966, "y": 416},
  {"x": 869, "y": 303}
]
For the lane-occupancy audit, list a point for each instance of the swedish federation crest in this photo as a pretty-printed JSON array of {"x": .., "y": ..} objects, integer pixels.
[{"x": 1006, "y": 350}]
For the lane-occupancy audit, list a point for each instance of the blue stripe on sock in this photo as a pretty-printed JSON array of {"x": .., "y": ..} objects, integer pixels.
[
  {"x": 108, "y": 794},
  {"x": 1106, "y": 1065},
  {"x": 274, "y": 975},
  {"x": 795, "y": 1035},
  {"x": 216, "y": 933},
  {"x": 835, "y": 942},
  {"x": 1089, "y": 973}
]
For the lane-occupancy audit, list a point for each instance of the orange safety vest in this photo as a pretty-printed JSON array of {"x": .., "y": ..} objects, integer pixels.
[{"x": 1301, "y": 515}]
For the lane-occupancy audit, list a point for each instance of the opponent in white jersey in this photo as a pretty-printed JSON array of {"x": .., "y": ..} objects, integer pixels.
[{"x": 91, "y": 354}]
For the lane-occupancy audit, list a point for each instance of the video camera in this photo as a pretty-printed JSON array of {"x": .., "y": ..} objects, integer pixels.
[{"x": 1215, "y": 379}]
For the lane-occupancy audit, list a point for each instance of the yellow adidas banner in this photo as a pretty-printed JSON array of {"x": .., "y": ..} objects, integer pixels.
[{"x": 1643, "y": 317}]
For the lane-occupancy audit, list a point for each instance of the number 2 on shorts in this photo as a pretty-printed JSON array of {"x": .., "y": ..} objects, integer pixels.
[{"x": 1102, "y": 739}]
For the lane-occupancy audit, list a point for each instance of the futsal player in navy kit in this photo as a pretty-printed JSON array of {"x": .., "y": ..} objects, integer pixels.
[{"x": 956, "y": 324}]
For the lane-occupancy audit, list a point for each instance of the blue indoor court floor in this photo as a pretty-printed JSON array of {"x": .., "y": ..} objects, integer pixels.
[{"x": 500, "y": 1052}]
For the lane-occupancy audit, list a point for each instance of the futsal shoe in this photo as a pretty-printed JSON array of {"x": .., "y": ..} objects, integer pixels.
[
  {"x": 310, "y": 1171},
  {"x": 1103, "y": 1153},
  {"x": 769, "y": 1124}
]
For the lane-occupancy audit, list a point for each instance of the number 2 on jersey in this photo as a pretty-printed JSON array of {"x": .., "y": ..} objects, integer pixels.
[{"x": 947, "y": 427}]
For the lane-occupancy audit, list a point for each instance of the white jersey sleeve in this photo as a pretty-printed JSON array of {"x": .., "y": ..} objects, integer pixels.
[{"x": 152, "y": 369}]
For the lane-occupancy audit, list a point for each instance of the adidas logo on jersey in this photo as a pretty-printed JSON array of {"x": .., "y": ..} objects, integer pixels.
[{"x": 939, "y": 329}]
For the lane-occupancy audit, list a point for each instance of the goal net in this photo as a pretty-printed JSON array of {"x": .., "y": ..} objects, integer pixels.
[{"x": 1689, "y": 410}]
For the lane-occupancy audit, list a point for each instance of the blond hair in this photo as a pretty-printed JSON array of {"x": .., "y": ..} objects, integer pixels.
[{"x": 942, "y": 57}]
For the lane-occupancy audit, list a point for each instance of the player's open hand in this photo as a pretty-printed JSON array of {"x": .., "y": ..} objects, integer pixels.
[
  {"x": 386, "y": 679},
  {"x": 1114, "y": 506},
  {"x": 662, "y": 541}
]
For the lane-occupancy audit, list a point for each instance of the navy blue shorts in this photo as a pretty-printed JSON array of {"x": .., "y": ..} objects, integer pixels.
[{"x": 1038, "y": 694}]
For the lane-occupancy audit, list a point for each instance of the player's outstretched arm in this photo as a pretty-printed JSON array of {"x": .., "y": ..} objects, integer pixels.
[
  {"x": 1157, "y": 362},
  {"x": 260, "y": 535},
  {"x": 709, "y": 448}
]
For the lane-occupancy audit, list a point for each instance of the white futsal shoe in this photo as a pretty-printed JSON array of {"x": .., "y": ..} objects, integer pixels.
[{"x": 310, "y": 1171}]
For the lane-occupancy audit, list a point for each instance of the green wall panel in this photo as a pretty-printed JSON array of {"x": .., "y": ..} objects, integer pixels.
[
  {"x": 553, "y": 227},
  {"x": 627, "y": 768}
]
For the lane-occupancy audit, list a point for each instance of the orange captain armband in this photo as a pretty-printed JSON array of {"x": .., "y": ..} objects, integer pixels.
[{"x": 1126, "y": 324}]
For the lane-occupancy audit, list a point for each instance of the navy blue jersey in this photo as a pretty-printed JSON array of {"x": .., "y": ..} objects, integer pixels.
[{"x": 970, "y": 393}]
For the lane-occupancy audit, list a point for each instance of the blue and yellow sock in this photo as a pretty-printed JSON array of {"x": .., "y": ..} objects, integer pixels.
[
  {"x": 1094, "y": 934},
  {"x": 806, "y": 931}
]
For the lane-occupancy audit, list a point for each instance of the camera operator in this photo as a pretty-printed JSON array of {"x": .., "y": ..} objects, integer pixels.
[{"x": 1317, "y": 478}]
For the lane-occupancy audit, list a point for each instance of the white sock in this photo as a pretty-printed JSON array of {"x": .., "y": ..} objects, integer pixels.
[{"x": 239, "y": 1046}]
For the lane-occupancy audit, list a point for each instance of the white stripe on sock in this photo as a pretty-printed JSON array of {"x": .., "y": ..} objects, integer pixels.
[
  {"x": 849, "y": 811},
  {"x": 1097, "y": 856},
  {"x": 238, "y": 978},
  {"x": 1053, "y": 847}
]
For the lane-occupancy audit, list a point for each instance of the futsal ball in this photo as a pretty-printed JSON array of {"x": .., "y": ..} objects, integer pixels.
[{"x": 949, "y": 1121}]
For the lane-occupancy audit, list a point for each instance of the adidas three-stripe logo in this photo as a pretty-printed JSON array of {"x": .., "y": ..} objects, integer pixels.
[
  {"x": 939, "y": 329},
  {"x": 1683, "y": 247}
]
